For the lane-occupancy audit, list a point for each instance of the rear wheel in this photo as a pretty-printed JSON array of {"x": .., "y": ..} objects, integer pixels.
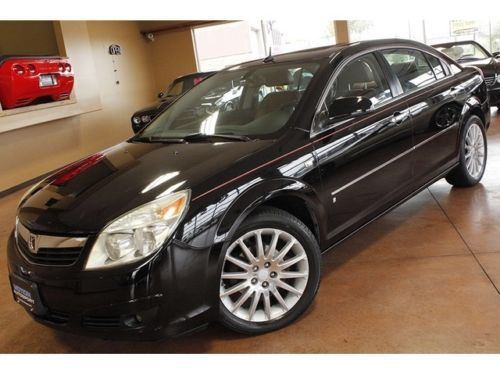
[
  {"x": 270, "y": 274},
  {"x": 473, "y": 155}
]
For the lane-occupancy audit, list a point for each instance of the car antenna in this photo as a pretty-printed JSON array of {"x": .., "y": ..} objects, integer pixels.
[{"x": 269, "y": 57}]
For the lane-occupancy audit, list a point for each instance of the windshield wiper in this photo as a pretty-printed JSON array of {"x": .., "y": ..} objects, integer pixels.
[
  {"x": 157, "y": 139},
  {"x": 203, "y": 137}
]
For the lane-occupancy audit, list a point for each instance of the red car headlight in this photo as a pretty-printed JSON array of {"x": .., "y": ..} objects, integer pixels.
[
  {"x": 67, "y": 68},
  {"x": 60, "y": 67},
  {"x": 19, "y": 69}
]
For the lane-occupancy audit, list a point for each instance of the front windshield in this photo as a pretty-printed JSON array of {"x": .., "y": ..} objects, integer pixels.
[
  {"x": 463, "y": 52},
  {"x": 248, "y": 102}
]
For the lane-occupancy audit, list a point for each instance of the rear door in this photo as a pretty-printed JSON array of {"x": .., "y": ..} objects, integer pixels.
[
  {"x": 435, "y": 101},
  {"x": 364, "y": 160}
]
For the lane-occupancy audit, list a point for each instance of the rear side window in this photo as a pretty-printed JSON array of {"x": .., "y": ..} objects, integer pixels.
[
  {"x": 411, "y": 68},
  {"x": 437, "y": 66}
]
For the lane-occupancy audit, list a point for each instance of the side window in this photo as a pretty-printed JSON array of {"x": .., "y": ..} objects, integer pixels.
[
  {"x": 411, "y": 68},
  {"x": 361, "y": 77},
  {"x": 437, "y": 67}
]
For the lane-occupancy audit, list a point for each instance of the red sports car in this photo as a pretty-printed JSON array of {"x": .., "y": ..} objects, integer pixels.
[{"x": 26, "y": 79}]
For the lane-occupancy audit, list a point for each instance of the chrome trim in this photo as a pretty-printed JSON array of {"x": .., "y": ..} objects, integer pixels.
[
  {"x": 333, "y": 193},
  {"x": 44, "y": 241}
]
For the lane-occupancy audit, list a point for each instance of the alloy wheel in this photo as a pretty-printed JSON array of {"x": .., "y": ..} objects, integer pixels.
[
  {"x": 474, "y": 151},
  {"x": 264, "y": 275}
]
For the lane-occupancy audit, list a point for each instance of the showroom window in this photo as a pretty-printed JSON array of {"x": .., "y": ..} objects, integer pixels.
[
  {"x": 226, "y": 44},
  {"x": 487, "y": 33},
  {"x": 32, "y": 75}
]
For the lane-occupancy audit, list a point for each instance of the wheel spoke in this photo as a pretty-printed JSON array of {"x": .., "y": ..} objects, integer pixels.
[
  {"x": 260, "y": 246},
  {"x": 272, "y": 247},
  {"x": 235, "y": 275},
  {"x": 267, "y": 304},
  {"x": 239, "y": 263},
  {"x": 293, "y": 275},
  {"x": 280, "y": 299},
  {"x": 285, "y": 250},
  {"x": 234, "y": 289},
  {"x": 243, "y": 298},
  {"x": 288, "y": 287},
  {"x": 291, "y": 262},
  {"x": 253, "y": 306},
  {"x": 246, "y": 251}
]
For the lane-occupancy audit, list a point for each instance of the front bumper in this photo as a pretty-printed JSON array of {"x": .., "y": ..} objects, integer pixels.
[{"x": 168, "y": 295}]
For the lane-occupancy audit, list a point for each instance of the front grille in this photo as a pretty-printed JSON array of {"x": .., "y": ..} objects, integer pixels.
[
  {"x": 57, "y": 256},
  {"x": 490, "y": 81}
]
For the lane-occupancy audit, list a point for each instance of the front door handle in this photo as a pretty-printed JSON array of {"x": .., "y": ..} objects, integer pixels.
[{"x": 399, "y": 117}]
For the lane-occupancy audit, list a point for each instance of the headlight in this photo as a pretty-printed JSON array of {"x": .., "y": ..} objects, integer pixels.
[
  {"x": 136, "y": 120},
  {"x": 139, "y": 232},
  {"x": 498, "y": 77},
  {"x": 145, "y": 119}
]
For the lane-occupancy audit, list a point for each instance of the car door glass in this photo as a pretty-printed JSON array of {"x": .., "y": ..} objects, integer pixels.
[
  {"x": 361, "y": 77},
  {"x": 437, "y": 66},
  {"x": 411, "y": 68}
]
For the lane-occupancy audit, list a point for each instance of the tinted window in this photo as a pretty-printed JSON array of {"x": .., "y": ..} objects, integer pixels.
[
  {"x": 361, "y": 77},
  {"x": 437, "y": 66},
  {"x": 410, "y": 67}
]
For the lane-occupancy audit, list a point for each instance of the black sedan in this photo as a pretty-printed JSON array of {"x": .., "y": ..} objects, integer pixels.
[
  {"x": 471, "y": 53},
  {"x": 222, "y": 215},
  {"x": 178, "y": 87}
]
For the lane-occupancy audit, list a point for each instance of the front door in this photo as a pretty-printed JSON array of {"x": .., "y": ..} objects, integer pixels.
[{"x": 364, "y": 160}]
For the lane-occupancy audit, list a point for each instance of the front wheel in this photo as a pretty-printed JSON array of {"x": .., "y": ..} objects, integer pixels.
[
  {"x": 270, "y": 274},
  {"x": 473, "y": 155}
]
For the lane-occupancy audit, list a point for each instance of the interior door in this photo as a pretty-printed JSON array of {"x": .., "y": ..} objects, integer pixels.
[{"x": 365, "y": 159}]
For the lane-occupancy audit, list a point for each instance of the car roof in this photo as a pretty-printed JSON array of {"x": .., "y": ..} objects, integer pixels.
[
  {"x": 449, "y": 44},
  {"x": 329, "y": 52}
]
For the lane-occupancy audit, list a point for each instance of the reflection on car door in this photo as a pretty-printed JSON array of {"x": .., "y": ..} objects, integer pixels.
[
  {"x": 435, "y": 109},
  {"x": 364, "y": 161}
]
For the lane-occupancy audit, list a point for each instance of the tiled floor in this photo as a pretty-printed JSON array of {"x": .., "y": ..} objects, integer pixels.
[{"x": 423, "y": 278}]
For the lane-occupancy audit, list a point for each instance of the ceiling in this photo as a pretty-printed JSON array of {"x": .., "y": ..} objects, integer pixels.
[{"x": 159, "y": 26}]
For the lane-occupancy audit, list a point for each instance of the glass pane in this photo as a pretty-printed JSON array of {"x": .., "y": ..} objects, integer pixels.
[
  {"x": 410, "y": 67},
  {"x": 251, "y": 102},
  {"x": 362, "y": 77},
  {"x": 231, "y": 43}
]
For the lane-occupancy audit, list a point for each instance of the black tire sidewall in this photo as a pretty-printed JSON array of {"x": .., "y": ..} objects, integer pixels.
[{"x": 286, "y": 222}]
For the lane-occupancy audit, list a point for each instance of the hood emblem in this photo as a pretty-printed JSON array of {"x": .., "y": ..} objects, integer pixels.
[{"x": 33, "y": 243}]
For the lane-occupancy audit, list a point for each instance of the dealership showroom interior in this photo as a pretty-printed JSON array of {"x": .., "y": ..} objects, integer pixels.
[{"x": 250, "y": 186}]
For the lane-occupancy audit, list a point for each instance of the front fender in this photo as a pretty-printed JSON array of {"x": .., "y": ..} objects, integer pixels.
[{"x": 263, "y": 192}]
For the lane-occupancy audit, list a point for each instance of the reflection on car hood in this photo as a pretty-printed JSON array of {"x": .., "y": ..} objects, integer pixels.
[{"x": 84, "y": 197}]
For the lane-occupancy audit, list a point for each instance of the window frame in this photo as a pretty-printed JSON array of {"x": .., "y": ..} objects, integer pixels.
[{"x": 392, "y": 79}]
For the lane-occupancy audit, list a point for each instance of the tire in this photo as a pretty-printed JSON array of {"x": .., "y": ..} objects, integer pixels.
[
  {"x": 472, "y": 163},
  {"x": 276, "y": 226}
]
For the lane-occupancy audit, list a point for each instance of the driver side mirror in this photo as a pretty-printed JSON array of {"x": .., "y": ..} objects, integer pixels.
[
  {"x": 496, "y": 55},
  {"x": 161, "y": 95},
  {"x": 348, "y": 106}
]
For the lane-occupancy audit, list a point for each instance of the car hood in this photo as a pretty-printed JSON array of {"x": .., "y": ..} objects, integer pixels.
[
  {"x": 489, "y": 65},
  {"x": 84, "y": 196}
]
